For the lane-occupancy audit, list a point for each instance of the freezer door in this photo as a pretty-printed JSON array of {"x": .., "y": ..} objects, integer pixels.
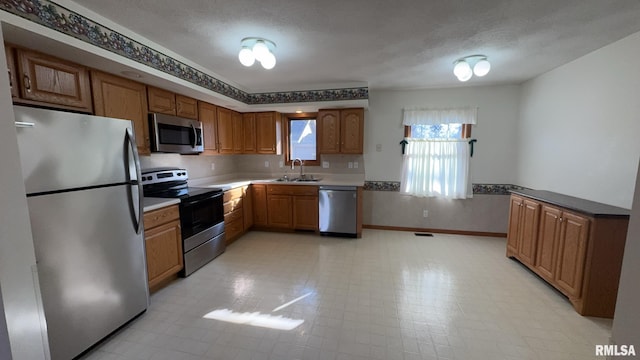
[
  {"x": 91, "y": 265},
  {"x": 62, "y": 150}
]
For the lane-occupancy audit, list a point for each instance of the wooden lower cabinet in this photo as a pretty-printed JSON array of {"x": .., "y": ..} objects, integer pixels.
[
  {"x": 163, "y": 244},
  {"x": 236, "y": 204},
  {"x": 580, "y": 254},
  {"x": 259, "y": 197},
  {"x": 293, "y": 207}
]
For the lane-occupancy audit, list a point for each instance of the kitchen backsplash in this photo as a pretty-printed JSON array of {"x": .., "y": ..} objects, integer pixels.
[{"x": 203, "y": 166}]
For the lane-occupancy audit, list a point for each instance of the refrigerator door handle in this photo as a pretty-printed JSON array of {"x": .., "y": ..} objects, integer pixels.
[
  {"x": 24, "y": 124},
  {"x": 138, "y": 215}
]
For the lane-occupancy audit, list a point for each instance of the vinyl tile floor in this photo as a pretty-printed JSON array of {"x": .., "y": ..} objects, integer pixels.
[{"x": 387, "y": 295}]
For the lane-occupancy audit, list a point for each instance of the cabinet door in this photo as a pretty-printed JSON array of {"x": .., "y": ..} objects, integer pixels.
[
  {"x": 161, "y": 101},
  {"x": 305, "y": 212},
  {"x": 225, "y": 131},
  {"x": 529, "y": 231},
  {"x": 267, "y": 132},
  {"x": 238, "y": 141},
  {"x": 249, "y": 133},
  {"x": 351, "y": 131},
  {"x": 259, "y": 197},
  {"x": 328, "y": 124},
  {"x": 207, "y": 115},
  {"x": 515, "y": 214},
  {"x": 11, "y": 68},
  {"x": 247, "y": 207},
  {"x": 546, "y": 253},
  {"x": 164, "y": 251},
  {"x": 54, "y": 81},
  {"x": 122, "y": 99},
  {"x": 186, "y": 107},
  {"x": 572, "y": 248},
  {"x": 279, "y": 211}
]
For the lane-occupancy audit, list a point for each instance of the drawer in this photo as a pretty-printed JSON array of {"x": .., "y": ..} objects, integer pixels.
[
  {"x": 232, "y": 205},
  {"x": 234, "y": 215},
  {"x": 161, "y": 216},
  {"x": 233, "y": 194},
  {"x": 233, "y": 228},
  {"x": 292, "y": 190}
]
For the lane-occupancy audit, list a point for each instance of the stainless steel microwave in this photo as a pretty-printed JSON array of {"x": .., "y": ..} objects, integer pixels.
[{"x": 173, "y": 134}]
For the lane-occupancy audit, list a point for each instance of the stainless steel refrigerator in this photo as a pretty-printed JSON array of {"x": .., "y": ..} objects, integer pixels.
[{"x": 81, "y": 175}]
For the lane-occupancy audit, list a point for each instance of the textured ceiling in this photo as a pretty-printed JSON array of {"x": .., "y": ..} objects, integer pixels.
[{"x": 386, "y": 44}]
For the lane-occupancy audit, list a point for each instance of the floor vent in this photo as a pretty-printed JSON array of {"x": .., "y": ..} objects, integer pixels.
[{"x": 423, "y": 234}]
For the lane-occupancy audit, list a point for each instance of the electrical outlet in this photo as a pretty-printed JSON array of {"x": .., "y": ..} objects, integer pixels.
[
  {"x": 355, "y": 164},
  {"x": 213, "y": 166},
  {"x": 325, "y": 164},
  {"x": 266, "y": 164},
  {"x": 350, "y": 165},
  {"x": 378, "y": 147},
  {"x": 281, "y": 163},
  {"x": 425, "y": 213}
]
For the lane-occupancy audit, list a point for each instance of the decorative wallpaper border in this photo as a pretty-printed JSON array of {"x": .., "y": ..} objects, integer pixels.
[
  {"x": 63, "y": 20},
  {"x": 478, "y": 189}
]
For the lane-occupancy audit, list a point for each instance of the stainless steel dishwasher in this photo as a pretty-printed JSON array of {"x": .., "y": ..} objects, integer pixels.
[{"x": 337, "y": 212}]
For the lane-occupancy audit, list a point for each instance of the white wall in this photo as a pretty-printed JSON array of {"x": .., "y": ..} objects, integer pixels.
[
  {"x": 494, "y": 158},
  {"x": 579, "y": 126},
  {"x": 626, "y": 321},
  {"x": 493, "y": 161},
  {"x": 17, "y": 256}
]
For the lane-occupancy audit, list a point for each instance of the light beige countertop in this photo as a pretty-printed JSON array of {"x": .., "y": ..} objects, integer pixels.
[
  {"x": 152, "y": 203},
  {"x": 325, "y": 179}
]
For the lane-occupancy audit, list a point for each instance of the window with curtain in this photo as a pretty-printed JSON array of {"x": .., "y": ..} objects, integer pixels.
[{"x": 436, "y": 158}]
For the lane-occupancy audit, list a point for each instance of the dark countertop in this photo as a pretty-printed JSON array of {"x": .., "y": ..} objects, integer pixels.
[{"x": 591, "y": 208}]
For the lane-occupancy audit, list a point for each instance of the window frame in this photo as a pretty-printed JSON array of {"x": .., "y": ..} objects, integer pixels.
[
  {"x": 466, "y": 131},
  {"x": 287, "y": 136}
]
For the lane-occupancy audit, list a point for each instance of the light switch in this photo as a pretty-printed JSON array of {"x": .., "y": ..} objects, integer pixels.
[
  {"x": 355, "y": 164},
  {"x": 350, "y": 165},
  {"x": 266, "y": 164}
]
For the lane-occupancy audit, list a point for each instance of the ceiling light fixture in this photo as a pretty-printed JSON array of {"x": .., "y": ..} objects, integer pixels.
[
  {"x": 463, "y": 70},
  {"x": 255, "y": 48}
]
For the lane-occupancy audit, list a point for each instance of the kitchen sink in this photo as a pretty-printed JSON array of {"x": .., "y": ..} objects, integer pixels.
[{"x": 303, "y": 179}]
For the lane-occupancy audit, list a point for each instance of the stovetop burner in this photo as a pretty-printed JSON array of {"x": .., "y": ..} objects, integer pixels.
[{"x": 171, "y": 183}]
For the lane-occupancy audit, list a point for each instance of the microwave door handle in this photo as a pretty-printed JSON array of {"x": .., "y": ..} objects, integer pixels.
[{"x": 195, "y": 136}]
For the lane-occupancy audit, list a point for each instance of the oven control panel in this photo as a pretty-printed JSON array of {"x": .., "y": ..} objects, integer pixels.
[{"x": 163, "y": 175}]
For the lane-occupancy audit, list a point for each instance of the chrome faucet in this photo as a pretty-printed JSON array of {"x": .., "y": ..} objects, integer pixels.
[{"x": 293, "y": 163}]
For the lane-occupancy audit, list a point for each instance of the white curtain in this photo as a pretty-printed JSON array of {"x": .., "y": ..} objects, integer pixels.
[
  {"x": 436, "y": 168},
  {"x": 433, "y": 116}
]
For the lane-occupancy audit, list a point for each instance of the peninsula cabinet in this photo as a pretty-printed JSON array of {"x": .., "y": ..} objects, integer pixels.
[
  {"x": 49, "y": 81},
  {"x": 122, "y": 99},
  {"x": 575, "y": 245},
  {"x": 340, "y": 131},
  {"x": 163, "y": 244}
]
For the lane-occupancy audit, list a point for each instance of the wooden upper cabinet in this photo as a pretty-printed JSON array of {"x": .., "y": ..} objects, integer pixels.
[
  {"x": 161, "y": 101},
  {"x": 268, "y": 133},
  {"x": 225, "y": 130},
  {"x": 249, "y": 133},
  {"x": 207, "y": 114},
  {"x": 123, "y": 99},
  {"x": 238, "y": 141},
  {"x": 186, "y": 107},
  {"x": 11, "y": 68},
  {"x": 341, "y": 131},
  {"x": 351, "y": 131},
  {"x": 45, "y": 79},
  {"x": 328, "y": 123}
]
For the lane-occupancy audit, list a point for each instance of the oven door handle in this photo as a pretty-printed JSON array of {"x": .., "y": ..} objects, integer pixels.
[{"x": 195, "y": 202}]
